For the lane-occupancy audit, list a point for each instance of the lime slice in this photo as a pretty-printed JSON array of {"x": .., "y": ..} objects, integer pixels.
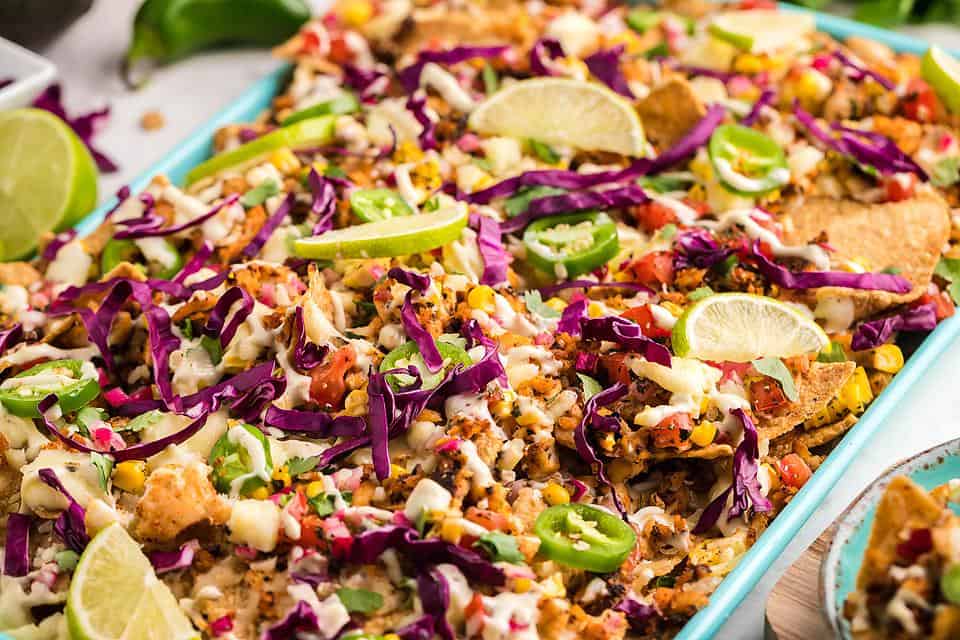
[
  {"x": 301, "y": 134},
  {"x": 740, "y": 327},
  {"x": 115, "y": 594},
  {"x": 48, "y": 180},
  {"x": 564, "y": 112},
  {"x": 761, "y": 30},
  {"x": 386, "y": 238},
  {"x": 942, "y": 71}
]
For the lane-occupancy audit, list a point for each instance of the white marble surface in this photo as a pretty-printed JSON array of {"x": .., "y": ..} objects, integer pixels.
[{"x": 190, "y": 92}]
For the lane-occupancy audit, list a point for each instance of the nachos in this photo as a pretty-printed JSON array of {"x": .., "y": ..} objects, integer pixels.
[{"x": 505, "y": 320}]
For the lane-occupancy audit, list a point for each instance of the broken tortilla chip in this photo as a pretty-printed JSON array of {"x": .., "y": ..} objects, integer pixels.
[
  {"x": 823, "y": 435},
  {"x": 670, "y": 111},
  {"x": 815, "y": 388}
]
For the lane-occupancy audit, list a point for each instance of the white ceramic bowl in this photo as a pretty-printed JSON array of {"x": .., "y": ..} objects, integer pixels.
[{"x": 30, "y": 72}]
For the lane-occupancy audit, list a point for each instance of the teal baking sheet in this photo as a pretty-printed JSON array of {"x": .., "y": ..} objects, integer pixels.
[{"x": 773, "y": 541}]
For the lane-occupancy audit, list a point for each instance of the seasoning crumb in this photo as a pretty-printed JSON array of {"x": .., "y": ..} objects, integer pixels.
[{"x": 151, "y": 121}]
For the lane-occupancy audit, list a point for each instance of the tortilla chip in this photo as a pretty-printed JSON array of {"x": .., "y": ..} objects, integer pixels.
[
  {"x": 710, "y": 452},
  {"x": 19, "y": 273},
  {"x": 907, "y": 235},
  {"x": 904, "y": 505},
  {"x": 669, "y": 112},
  {"x": 816, "y": 387},
  {"x": 824, "y": 434}
]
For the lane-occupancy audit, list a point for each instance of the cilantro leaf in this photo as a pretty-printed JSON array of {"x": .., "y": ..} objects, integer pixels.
[
  {"x": 259, "y": 194},
  {"x": 213, "y": 348},
  {"x": 297, "y": 466},
  {"x": 949, "y": 270},
  {"x": 490, "y": 81},
  {"x": 665, "y": 183},
  {"x": 359, "y": 600},
  {"x": 590, "y": 386},
  {"x": 774, "y": 368},
  {"x": 544, "y": 151},
  {"x": 667, "y": 231},
  {"x": 104, "y": 467},
  {"x": 946, "y": 172},
  {"x": 700, "y": 293},
  {"x": 833, "y": 353},
  {"x": 323, "y": 504},
  {"x": 535, "y": 303},
  {"x": 501, "y": 547}
]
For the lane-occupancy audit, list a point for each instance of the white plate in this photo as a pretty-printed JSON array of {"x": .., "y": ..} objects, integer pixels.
[{"x": 31, "y": 74}]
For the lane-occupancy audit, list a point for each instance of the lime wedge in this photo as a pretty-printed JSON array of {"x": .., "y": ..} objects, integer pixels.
[
  {"x": 740, "y": 327},
  {"x": 564, "y": 112},
  {"x": 942, "y": 71},
  {"x": 305, "y": 133},
  {"x": 48, "y": 180},
  {"x": 761, "y": 30},
  {"x": 386, "y": 238},
  {"x": 115, "y": 594}
]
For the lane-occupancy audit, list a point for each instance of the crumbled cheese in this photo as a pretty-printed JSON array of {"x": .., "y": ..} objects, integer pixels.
[
  {"x": 511, "y": 615},
  {"x": 71, "y": 265},
  {"x": 74, "y": 470},
  {"x": 255, "y": 523},
  {"x": 23, "y": 439},
  {"x": 576, "y": 32},
  {"x": 426, "y": 496}
]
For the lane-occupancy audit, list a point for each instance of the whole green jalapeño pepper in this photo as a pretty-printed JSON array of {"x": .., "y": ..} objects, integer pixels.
[
  {"x": 165, "y": 30},
  {"x": 572, "y": 244},
  {"x": 584, "y": 537},
  {"x": 74, "y": 385}
]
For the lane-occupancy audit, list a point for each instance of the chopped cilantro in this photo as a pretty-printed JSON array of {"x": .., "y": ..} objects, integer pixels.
[
  {"x": 536, "y": 304},
  {"x": 949, "y": 270},
  {"x": 501, "y": 547},
  {"x": 212, "y": 347},
  {"x": 104, "y": 467},
  {"x": 298, "y": 466},
  {"x": 774, "y": 368},
  {"x": 544, "y": 151},
  {"x": 359, "y": 600},
  {"x": 259, "y": 194},
  {"x": 490, "y": 81}
]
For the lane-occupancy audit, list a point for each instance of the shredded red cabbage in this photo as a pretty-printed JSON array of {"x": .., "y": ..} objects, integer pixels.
[
  {"x": 858, "y": 72},
  {"x": 16, "y": 549},
  {"x": 301, "y": 619},
  {"x": 558, "y": 178},
  {"x": 495, "y": 256},
  {"x": 874, "y": 333},
  {"x": 70, "y": 526},
  {"x": 592, "y": 419},
  {"x": 85, "y": 126},
  {"x": 415, "y": 330},
  {"x": 813, "y": 279},
  {"x": 217, "y": 325},
  {"x": 542, "y": 53},
  {"x": 369, "y": 83},
  {"x": 572, "y": 316},
  {"x": 379, "y": 418},
  {"x": 306, "y": 355},
  {"x": 410, "y": 76},
  {"x": 414, "y": 280},
  {"x": 50, "y": 251},
  {"x": 627, "y": 334},
  {"x": 477, "y": 376},
  {"x": 745, "y": 486},
  {"x": 434, "y": 595},
  {"x": 766, "y": 97},
  {"x": 586, "y": 362},
  {"x": 698, "y": 248},
  {"x": 624, "y": 196},
  {"x": 164, "y": 561},
  {"x": 274, "y": 221},
  {"x": 324, "y": 204},
  {"x": 423, "y": 628},
  {"x": 605, "y": 66},
  {"x": 417, "y": 105},
  {"x": 150, "y": 225},
  {"x": 10, "y": 337},
  {"x": 316, "y": 424},
  {"x": 637, "y": 612},
  {"x": 552, "y": 289}
]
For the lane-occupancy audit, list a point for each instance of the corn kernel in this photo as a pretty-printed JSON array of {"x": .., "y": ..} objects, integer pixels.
[
  {"x": 356, "y": 12},
  {"x": 314, "y": 489},
  {"x": 391, "y": 636},
  {"x": 482, "y": 297},
  {"x": 674, "y": 309},
  {"x": 749, "y": 63},
  {"x": 407, "y": 151},
  {"x": 260, "y": 493},
  {"x": 528, "y": 418},
  {"x": 888, "y": 358},
  {"x": 557, "y": 304},
  {"x": 355, "y": 403},
  {"x": 502, "y": 408},
  {"x": 451, "y": 530},
  {"x": 553, "y": 587},
  {"x": 595, "y": 310},
  {"x": 281, "y": 475},
  {"x": 426, "y": 175},
  {"x": 522, "y": 585},
  {"x": 856, "y": 392},
  {"x": 130, "y": 476},
  {"x": 397, "y": 471},
  {"x": 703, "y": 434},
  {"x": 701, "y": 168},
  {"x": 284, "y": 161},
  {"x": 772, "y": 475},
  {"x": 555, "y": 494}
]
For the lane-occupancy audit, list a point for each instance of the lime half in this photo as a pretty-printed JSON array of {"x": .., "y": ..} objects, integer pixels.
[
  {"x": 48, "y": 180},
  {"x": 564, "y": 112},
  {"x": 761, "y": 30},
  {"x": 115, "y": 594},
  {"x": 304, "y": 133},
  {"x": 942, "y": 71},
  {"x": 386, "y": 238},
  {"x": 739, "y": 327}
]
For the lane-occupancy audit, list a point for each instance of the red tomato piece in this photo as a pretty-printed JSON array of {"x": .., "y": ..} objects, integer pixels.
[
  {"x": 488, "y": 519},
  {"x": 652, "y": 215},
  {"x": 670, "y": 431},
  {"x": 616, "y": 367},
  {"x": 900, "y": 186},
  {"x": 943, "y": 304},
  {"x": 643, "y": 316},
  {"x": 767, "y": 395},
  {"x": 327, "y": 386},
  {"x": 920, "y": 102},
  {"x": 794, "y": 472},
  {"x": 653, "y": 269}
]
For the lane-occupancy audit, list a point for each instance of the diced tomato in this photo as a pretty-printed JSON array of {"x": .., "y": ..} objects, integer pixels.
[
  {"x": 488, "y": 519},
  {"x": 920, "y": 102},
  {"x": 327, "y": 386},
  {"x": 475, "y": 607},
  {"x": 643, "y": 316},
  {"x": 900, "y": 186},
  {"x": 653, "y": 215},
  {"x": 340, "y": 51},
  {"x": 736, "y": 371},
  {"x": 669, "y": 432},
  {"x": 794, "y": 472},
  {"x": 310, "y": 526},
  {"x": 943, "y": 305},
  {"x": 616, "y": 367},
  {"x": 748, "y": 5},
  {"x": 767, "y": 396},
  {"x": 653, "y": 269}
]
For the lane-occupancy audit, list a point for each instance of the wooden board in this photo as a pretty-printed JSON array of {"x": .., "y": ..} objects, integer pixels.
[{"x": 793, "y": 607}]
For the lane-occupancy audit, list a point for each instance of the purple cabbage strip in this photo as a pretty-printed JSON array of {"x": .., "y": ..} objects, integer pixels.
[
  {"x": 585, "y": 449},
  {"x": 70, "y": 525},
  {"x": 366, "y": 82},
  {"x": 150, "y": 225},
  {"x": 85, "y": 126},
  {"x": 414, "y": 280},
  {"x": 379, "y": 419},
  {"x": 542, "y": 53},
  {"x": 572, "y": 316},
  {"x": 814, "y": 279},
  {"x": 624, "y": 196},
  {"x": 415, "y": 330},
  {"x": 637, "y": 612},
  {"x": 627, "y": 334},
  {"x": 306, "y": 355},
  {"x": 814, "y": 129},
  {"x": 744, "y": 485},
  {"x": 50, "y": 251},
  {"x": 552, "y": 289},
  {"x": 324, "y": 204},
  {"x": 300, "y": 619},
  {"x": 316, "y": 424},
  {"x": 217, "y": 326},
  {"x": 10, "y": 337},
  {"x": 16, "y": 548},
  {"x": 274, "y": 221},
  {"x": 423, "y": 628},
  {"x": 249, "y": 406},
  {"x": 873, "y": 333},
  {"x": 477, "y": 376},
  {"x": 698, "y": 248},
  {"x": 605, "y": 66},
  {"x": 417, "y": 106},
  {"x": 410, "y": 76},
  {"x": 496, "y": 258},
  {"x": 766, "y": 97},
  {"x": 434, "y": 595},
  {"x": 859, "y": 72},
  {"x": 164, "y": 561},
  {"x": 558, "y": 178}
]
